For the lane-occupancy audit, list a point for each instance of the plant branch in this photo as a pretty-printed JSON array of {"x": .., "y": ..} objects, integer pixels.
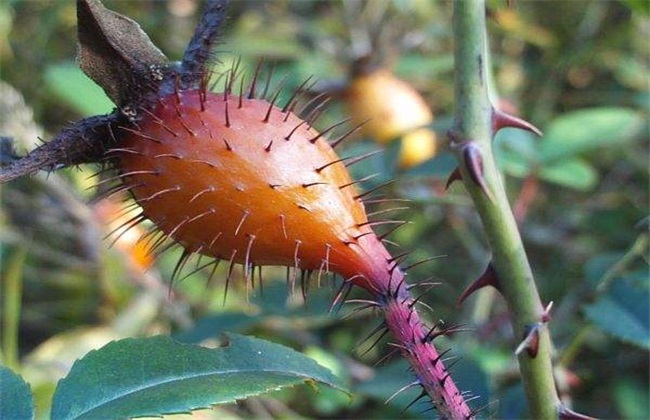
[{"x": 471, "y": 138}]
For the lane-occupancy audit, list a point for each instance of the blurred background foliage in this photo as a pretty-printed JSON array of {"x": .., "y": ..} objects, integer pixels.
[{"x": 577, "y": 69}]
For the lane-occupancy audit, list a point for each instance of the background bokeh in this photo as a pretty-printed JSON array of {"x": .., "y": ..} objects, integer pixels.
[{"x": 578, "y": 69}]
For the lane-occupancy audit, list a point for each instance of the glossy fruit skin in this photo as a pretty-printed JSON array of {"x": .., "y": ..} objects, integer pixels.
[
  {"x": 394, "y": 109},
  {"x": 222, "y": 179}
]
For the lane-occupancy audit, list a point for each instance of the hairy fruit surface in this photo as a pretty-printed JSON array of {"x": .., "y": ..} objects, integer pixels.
[{"x": 241, "y": 180}]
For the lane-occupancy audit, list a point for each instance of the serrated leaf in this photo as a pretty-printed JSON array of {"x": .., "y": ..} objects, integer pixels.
[
  {"x": 77, "y": 90},
  {"x": 571, "y": 173},
  {"x": 623, "y": 311},
  {"x": 156, "y": 375},
  {"x": 585, "y": 130},
  {"x": 17, "y": 399}
]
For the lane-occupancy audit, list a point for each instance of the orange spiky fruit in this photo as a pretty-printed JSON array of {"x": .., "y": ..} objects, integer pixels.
[{"x": 241, "y": 180}]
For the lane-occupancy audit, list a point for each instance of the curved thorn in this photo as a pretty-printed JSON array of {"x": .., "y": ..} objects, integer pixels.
[
  {"x": 456, "y": 175},
  {"x": 488, "y": 278},
  {"x": 502, "y": 119}
]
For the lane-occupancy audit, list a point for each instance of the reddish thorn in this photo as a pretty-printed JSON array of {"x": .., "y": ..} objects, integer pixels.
[
  {"x": 565, "y": 413},
  {"x": 474, "y": 164},
  {"x": 251, "y": 91},
  {"x": 502, "y": 119},
  {"x": 454, "y": 176},
  {"x": 488, "y": 278},
  {"x": 546, "y": 315}
]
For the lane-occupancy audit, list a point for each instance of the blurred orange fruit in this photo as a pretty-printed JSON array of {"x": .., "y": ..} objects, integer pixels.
[{"x": 395, "y": 110}]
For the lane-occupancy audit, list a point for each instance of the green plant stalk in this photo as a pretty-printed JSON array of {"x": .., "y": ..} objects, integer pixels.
[
  {"x": 473, "y": 122},
  {"x": 11, "y": 303}
]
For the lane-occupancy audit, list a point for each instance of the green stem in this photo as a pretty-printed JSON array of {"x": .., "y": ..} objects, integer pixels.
[
  {"x": 473, "y": 123},
  {"x": 11, "y": 303}
]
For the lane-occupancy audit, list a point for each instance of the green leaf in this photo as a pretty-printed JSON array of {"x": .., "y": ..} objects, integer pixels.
[
  {"x": 639, "y": 6},
  {"x": 632, "y": 398},
  {"x": 516, "y": 152},
  {"x": 69, "y": 84},
  {"x": 572, "y": 173},
  {"x": 585, "y": 130},
  {"x": 17, "y": 399},
  {"x": 156, "y": 375},
  {"x": 623, "y": 311}
]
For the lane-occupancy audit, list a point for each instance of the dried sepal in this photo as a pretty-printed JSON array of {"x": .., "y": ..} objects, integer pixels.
[
  {"x": 115, "y": 52},
  {"x": 199, "y": 51},
  {"x": 82, "y": 142}
]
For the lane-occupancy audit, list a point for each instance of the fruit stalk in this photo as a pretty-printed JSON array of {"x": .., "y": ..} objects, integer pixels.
[
  {"x": 472, "y": 132},
  {"x": 415, "y": 343}
]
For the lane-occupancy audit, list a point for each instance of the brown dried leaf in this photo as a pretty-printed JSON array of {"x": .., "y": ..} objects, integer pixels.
[{"x": 114, "y": 51}]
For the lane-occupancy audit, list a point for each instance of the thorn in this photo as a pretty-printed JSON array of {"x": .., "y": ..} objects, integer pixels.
[
  {"x": 179, "y": 265},
  {"x": 377, "y": 340},
  {"x": 530, "y": 343},
  {"x": 284, "y": 226},
  {"x": 251, "y": 239},
  {"x": 432, "y": 334},
  {"x": 426, "y": 260},
  {"x": 240, "y": 101},
  {"x": 502, "y": 119},
  {"x": 456, "y": 175},
  {"x": 288, "y": 136},
  {"x": 422, "y": 394},
  {"x": 565, "y": 413},
  {"x": 546, "y": 315},
  {"x": 358, "y": 181},
  {"x": 402, "y": 389},
  {"x": 241, "y": 222},
  {"x": 229, "y": 276},
  {"x": 251, "y": 91},
  {"x": 390, "y": 231},
  {"x": 352, "y": 160},
  {"x": 227, "y": 115},
  {"x": 332, "y": 127},
  {"x": 315, "y": 113},
  {"x": 295, "y": 93},
  {"x": 488, "y": 278},
  {"x": 228, "y": 147},
  {"x": 386, "y": 357},
  {"x": 348, "y": 133},
  {"x": 372, "y": 190},
  {"x": 343, "y": 292},
  {"x": 435, "y": 361},
  {"x": 312, "y": 184},
  {"x": 268, "y": 80},
  {"x": 474, "y": 164},
  {"x": 272, "y": 103},
  {"x": 425, "y": 282},
  {"x": 268, "y": 146}
]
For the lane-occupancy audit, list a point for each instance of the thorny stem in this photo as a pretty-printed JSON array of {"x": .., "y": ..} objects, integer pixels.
[
  {"x": 472, "y": 123},
  {"x": 416, "y": 345}
]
